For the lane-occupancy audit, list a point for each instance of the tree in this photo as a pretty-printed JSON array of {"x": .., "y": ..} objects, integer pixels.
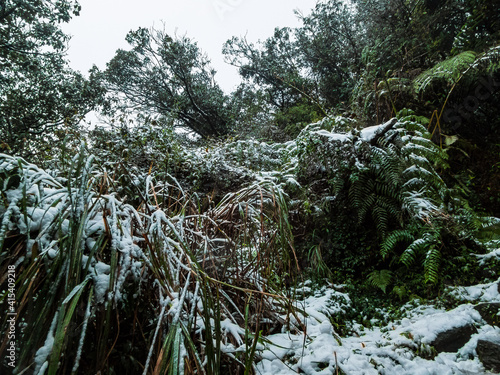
[
  {"x": 38, "y": 92},
  {"x": 407, "y": 35},
  {"x": 273, "y": 65},
  {"x": 169, "y": 77},
  {"x": 275, "y": 68},
  {"x": 30, "y": 25},
  {"x": 330, "y": 42},
  {"x": 479, "y": 27},
  {"x": 316, "y": 62}
]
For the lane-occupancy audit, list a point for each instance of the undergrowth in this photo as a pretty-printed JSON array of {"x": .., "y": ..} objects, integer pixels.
[
  {"x": 183, "y": 261},
  {"x": 162, "y": 286}
]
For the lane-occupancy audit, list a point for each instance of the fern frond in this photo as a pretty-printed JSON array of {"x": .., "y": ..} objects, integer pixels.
[
  {"x": 407, "y": 115},
  {"x": 392, "y": 206},
  {"x": 337, "y": 184},
  {"x": 449, "y": 70},
  {"x": 379, "y": 153},
  {"x": 390, "y": 167},
  {"x": 429, "y": 240},
  {"x": 420, "y": 150},
  {"x": 407, "y": 124},
  {"x": 410, "y": 254},
  {"x": 361, "y": 187},
  {"x": 414, "y": 184},
  {"x": 381, "y": 218},
  {"x": 489, "y": 229},
  {"x": 388, "y": 189},
  {"x": 431, "y": 265},
  {"x": 395, "y": 237},
  {"x": 415, "y": 159},
  {"x": 468, "y": 220},
  {"x": 418, "y": 204},
  {"x": 380, "y": 279},
  {"x": 490, "y": 61},
  {"x": 428, "y": 175},
  {"x": 364, "y": 206},
  {"x": 422, "y": 140}
]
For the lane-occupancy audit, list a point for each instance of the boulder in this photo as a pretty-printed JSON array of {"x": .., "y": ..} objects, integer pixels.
[
  {"x": 489, "y": 354},
  {"x": 453, "y": 339}
]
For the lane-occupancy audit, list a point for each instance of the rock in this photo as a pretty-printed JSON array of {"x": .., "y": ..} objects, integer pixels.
[
  {"x": 489, "y": 354},
  {"x": 453, "y": 339},
  {"x": 489, "y": 312}
]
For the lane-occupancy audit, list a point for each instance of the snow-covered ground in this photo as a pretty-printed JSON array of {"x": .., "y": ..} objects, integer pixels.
[{"x": 400, "y": 347}]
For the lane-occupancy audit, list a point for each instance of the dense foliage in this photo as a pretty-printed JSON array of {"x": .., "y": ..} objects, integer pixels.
[
  {"x": 39, "y": 94},
  {"x": 361, "y": 148},
  {"x": 166, "y": 76}
]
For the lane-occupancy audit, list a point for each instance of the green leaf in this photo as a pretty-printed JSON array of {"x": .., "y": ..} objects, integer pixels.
[{"x": 380, "y": 279}]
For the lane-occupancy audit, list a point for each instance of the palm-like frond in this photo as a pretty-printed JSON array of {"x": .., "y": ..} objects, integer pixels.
[{"x": 448, "y": 71}]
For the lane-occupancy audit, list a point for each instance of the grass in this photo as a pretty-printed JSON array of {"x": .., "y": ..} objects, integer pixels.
[{"x": 159, "y": 287}]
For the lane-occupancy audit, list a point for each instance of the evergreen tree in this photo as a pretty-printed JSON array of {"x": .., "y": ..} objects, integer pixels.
[
  {"x": 38, "y": 92},
  {"x": 170, "y": 77}
]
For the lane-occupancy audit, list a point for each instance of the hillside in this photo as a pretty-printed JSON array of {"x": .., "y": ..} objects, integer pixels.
[{"x": 338, "y": 213}]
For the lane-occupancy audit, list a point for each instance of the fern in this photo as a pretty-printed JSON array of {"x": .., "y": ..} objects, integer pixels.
[
  {"x": 449, "y": 71},
  {"x": 431, "y": 265},
  {"x": 418, "y": 247},
  {"x": 392, "y": 183},
  {"x": 364, "y": 206},
  {"x": 419, "y": 123},
  {"x": 489, "y": 62},
  {"x": 410, "y": 254},
  {"x": 483, "y": 228},
  {"x": 380, "y": 279},
  {"x": 395, "y": 237},
  {"x": 469, "y": 65},
  {"x": 419, "y": 205},
  {"x": 381, "y": 219}
]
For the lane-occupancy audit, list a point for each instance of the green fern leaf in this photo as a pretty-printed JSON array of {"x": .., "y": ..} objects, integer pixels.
[
  {"x": 490, "y": 61},
  {"x": 395, "y": 237},
  {"x": 417, "y": 247},
  {"x": 431, "y": 265},
  {"x": 380, "y": 279},
  {"x": 381, "y": 218},
  {"x": 449, "y": 70}
]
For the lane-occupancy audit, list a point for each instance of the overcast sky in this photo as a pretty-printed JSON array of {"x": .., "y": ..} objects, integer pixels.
[{"x": 102, "y": 25}]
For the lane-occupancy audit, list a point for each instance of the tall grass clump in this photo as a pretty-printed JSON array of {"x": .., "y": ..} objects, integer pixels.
[{"x": 167, "y": 285}]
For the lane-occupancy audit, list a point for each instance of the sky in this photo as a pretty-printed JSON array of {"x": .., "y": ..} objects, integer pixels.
[{"x": 103, "y": 24}]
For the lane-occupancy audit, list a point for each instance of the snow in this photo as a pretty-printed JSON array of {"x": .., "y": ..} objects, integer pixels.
[
  {"x": 415, "y": 202},
  {"x": 367, "y": 134},
  {"x": 101, "y": 286},
  {"x": 492, "y": 334},
  {"x": 486, "y": 332},
  {"x": 41, "y": 218},
  {"x": 425, "y": 328},
  {"x": 477, "y": 293},
  {"x": 43, "y": 352},
  {"x": 233, "y": 329},
  {"x": 401, "y": 347},
  {"x": 332, "y": 136},
  {"x": 495, "y": 253}
]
